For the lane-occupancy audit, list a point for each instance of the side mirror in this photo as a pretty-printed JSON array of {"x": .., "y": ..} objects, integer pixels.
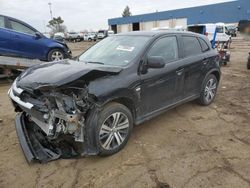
[
  {"x": 38, "y": 35},
  {"x": 156, "y": 62}
]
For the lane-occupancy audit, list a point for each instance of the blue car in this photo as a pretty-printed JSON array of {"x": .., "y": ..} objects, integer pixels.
[{"x": 19, "y": 39}]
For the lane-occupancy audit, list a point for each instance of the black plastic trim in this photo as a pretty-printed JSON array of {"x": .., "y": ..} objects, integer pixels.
[{"x": 23, "y": 137}]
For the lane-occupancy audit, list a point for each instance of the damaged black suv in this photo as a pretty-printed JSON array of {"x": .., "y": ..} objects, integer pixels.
[{"x": 89, "y": 106}]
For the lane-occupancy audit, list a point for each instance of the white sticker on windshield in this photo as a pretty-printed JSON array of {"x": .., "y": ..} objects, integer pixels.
[{"x": 125, "y": 48}]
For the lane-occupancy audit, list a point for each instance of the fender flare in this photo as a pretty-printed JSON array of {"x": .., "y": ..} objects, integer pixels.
[
  {"x": 90, "y": 145},
  {"x": 214, "y": 70}
]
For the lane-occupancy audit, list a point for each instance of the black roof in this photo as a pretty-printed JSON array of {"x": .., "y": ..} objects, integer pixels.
[{"x": 157, "y": 32}]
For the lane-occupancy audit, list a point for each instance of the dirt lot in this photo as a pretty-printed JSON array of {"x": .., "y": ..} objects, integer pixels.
[{"x": 189, "y": 146}]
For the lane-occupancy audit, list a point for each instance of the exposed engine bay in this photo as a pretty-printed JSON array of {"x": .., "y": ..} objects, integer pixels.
[
  {"x": 55, "y": 119},
  {"x": 61, "y": 112}
]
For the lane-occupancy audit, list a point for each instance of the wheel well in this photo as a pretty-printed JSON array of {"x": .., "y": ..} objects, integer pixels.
[
  {"x": 216, "y": 74},
  {"x": 128, "y": 103}
]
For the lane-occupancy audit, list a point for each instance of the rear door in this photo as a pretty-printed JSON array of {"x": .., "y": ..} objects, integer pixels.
[
  {"x": 5, "y": 46},
  {"x": 195, "y": 60},
  {"x": 24, "y": 41}
]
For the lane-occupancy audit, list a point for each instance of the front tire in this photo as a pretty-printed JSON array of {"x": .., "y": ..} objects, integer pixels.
[
  {"x": 209, "y": 89},
  {"x": 55, "y": 55},
  {"x": 114, "y": 127}
]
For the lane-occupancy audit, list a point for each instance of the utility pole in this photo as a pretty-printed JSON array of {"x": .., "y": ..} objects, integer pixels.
[
  {"x": 44, "y": 26},
  {"x": 50, "y": 10}
]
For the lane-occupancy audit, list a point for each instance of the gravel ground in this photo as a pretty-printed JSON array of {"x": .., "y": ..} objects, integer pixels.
[{"x": 189, "y": 146}]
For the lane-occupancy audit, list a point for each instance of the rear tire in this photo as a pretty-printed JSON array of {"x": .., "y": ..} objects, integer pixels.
[
  {"x": 115, "y": 124},
  {"x": 209, "y": 89}
]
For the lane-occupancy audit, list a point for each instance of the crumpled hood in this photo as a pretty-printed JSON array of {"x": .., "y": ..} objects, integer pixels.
[{"x": 55, "y": 74}]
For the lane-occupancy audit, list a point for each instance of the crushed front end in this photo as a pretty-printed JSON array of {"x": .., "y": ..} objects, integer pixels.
[{"x": 51, "y": 123}]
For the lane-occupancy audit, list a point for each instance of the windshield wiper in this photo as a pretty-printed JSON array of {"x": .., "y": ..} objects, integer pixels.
[{"x": 96, "y": 62}]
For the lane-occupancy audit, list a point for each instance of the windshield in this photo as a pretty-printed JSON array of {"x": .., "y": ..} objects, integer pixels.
[
  {"x": 115, "y": 50},
  {"x": 231, "y": 27},
  {"x": 219, "y": 29}
]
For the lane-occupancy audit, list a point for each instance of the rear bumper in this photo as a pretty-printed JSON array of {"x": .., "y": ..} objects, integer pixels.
[{"x": 32, "y": 148}]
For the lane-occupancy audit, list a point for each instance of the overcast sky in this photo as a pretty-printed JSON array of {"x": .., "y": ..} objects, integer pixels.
[{"x": 87, "y": 14}]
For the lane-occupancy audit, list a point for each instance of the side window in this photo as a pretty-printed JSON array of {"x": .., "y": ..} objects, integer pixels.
[
  {"x": 21, "y": 28},
  {"x": 2, "y": 21},
  {"x": 191, "y": 46},
  {"x": 165, "y": 47},
  {"x": 204, "y": 45}
]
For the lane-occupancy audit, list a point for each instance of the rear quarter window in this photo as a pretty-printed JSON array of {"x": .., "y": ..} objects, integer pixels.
[
  {"x": 191, "y": 46},
  {"x": 204, "y": 45}
]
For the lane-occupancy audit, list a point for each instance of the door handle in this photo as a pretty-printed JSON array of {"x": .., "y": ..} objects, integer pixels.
[
  {"x": 179, "y": 71},
  {"x": 205, "y": 61}
]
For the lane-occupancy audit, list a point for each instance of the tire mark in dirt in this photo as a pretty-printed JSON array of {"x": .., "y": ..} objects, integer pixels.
[
  {"x": 240, "y": 139},
  {"x": 152, "y": 172},
  {"x": 154, "y": 178}
]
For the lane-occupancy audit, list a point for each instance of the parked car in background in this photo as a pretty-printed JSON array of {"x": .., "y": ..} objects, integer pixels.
[
  {"x": 102, "y": 34},
  {"x": 89, "y": 106},
  {"x": 61, "y": 34},
  {"x": 80, "y": 36},
  {"x": 232, "y": 30},
  {"x": 73, "y": 36},
  {"x": 59, "y": 38},
  {"x": 22, "y": 40},
  {"x": 110, "y": 33},
  {"x": 90, "y": 37}
]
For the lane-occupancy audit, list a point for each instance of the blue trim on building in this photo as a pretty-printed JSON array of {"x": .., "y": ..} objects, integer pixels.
[{"x": 228, "y": 12}]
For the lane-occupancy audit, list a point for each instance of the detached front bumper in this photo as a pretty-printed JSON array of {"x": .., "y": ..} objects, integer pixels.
[
  {"x": 32, "y": 148},
  {"x": 23, "y": 138}
]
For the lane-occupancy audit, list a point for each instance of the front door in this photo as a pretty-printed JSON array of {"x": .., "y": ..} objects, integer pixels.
[{"x": 161, "y": 87}]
